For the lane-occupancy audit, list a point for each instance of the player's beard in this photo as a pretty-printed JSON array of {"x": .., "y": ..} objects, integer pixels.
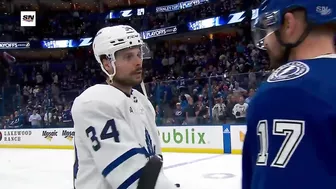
[
  {"x": 130, "y": 81},
  {"x": 277, "y": 59}
]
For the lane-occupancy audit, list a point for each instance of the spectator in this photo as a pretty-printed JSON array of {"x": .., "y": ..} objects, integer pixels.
[
  {"x": 179, "y": 115},
  {"x": 2, "y": 124},
  {"x": 18, "y": 120},
  {"x": 27, "y": 90},
  {"x": 159, "y": 115},
  {"x": 36, "y": 90},
  {"x": 218, "y": 111},
  {"x": 202, "y": 113},
  {"x": 39, "y": 78},
  {"x": 55, "y": 78},
  {"x": 11, "y": 122},
  {"x": 211, "y": 71},
  {"x": 55, "y": 118},
  {"x": 47, "y": 118},
  {"x": 166, "y": 95},
  {"x": 251, "y": 94},
  {"x": 190, "y": 112},
  {"x": 239, "y": 110},
  {"x": 35, "y": 119},
  {"x": 67, "y": 117},
  {"x": 237, "y": 89}
]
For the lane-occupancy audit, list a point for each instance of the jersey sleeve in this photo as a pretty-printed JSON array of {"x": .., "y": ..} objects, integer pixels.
[{"x": 112, "y": 144}]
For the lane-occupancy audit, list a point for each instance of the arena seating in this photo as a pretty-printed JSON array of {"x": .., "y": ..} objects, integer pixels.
[
  {"x": 187, "y": 83},
  {"x": 82, "y": 23}
]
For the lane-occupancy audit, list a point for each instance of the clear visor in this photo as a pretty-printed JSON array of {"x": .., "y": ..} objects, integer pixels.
[
  {"x": 263, "y": 26},
  {"x": 145, "y": 52}
]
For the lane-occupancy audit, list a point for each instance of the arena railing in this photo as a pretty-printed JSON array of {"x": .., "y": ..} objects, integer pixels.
[{"x": 176, "y": 102}]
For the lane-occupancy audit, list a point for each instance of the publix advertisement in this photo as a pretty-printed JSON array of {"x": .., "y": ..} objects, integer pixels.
[
  {"x": 198, "y": 139},
  {"x": 192, "y": 138}
]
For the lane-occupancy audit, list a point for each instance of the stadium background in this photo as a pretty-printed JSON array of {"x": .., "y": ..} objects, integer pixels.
[{"x": 202, "y": 64}]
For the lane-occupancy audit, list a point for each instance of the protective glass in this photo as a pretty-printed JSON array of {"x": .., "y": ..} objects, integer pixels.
[
  {"x": 263, "y": 26},
  {"x": 146, "y": 52}
]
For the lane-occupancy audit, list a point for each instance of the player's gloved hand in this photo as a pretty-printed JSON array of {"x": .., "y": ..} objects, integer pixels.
[{"x": 177, "y": 185}]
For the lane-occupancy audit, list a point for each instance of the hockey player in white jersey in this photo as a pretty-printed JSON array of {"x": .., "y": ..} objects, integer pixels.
[{"x": 117, "y": 144}]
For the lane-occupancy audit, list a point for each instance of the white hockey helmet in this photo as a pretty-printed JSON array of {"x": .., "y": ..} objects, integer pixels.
[{"x": 111, "y": 39}]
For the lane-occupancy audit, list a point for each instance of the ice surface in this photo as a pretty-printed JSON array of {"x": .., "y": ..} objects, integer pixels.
[{"x": 52, "y": 169}]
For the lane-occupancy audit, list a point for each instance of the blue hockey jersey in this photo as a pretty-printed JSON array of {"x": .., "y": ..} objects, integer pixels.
[{"x": 291, "y": 128}]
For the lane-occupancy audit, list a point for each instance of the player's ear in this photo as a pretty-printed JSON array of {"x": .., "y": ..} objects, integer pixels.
[{"x": 289, "y": 24}]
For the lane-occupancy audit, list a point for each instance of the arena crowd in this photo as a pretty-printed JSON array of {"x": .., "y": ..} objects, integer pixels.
[{"x": 206, "y": 82}]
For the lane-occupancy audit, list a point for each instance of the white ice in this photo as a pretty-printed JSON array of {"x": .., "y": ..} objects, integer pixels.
[{"x": 53, "y": 169}]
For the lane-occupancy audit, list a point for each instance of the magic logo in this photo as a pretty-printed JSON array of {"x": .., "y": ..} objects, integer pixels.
[
  {"x": 68, "y": 134},
  {"x": 49, "y": 135}
]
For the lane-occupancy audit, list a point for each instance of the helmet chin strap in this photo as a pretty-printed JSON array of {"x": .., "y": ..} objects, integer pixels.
[
  {"x": 143, "y": 87},
  {"x": 111, "y": 76},
  {"x": 109, "y": 81}
]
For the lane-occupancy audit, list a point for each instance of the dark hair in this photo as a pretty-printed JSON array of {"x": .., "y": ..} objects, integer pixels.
[{"x": 103, "y": 57}]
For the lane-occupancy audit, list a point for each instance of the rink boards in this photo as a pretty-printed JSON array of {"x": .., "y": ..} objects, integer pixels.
[{"x": 188, "y": 139}]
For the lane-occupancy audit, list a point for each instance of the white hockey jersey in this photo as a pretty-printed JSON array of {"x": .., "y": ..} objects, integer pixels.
[{"x": 115, "y": 136}]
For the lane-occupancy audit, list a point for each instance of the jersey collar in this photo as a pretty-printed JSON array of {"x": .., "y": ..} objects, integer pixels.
[{"x": 326, "y": 56}]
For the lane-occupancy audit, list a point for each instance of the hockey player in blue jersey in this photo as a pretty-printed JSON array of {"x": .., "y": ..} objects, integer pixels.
[{"x": 291, "y": 121}]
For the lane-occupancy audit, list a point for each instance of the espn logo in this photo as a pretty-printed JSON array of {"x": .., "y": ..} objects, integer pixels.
[{"x": 28, "y": 18}]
